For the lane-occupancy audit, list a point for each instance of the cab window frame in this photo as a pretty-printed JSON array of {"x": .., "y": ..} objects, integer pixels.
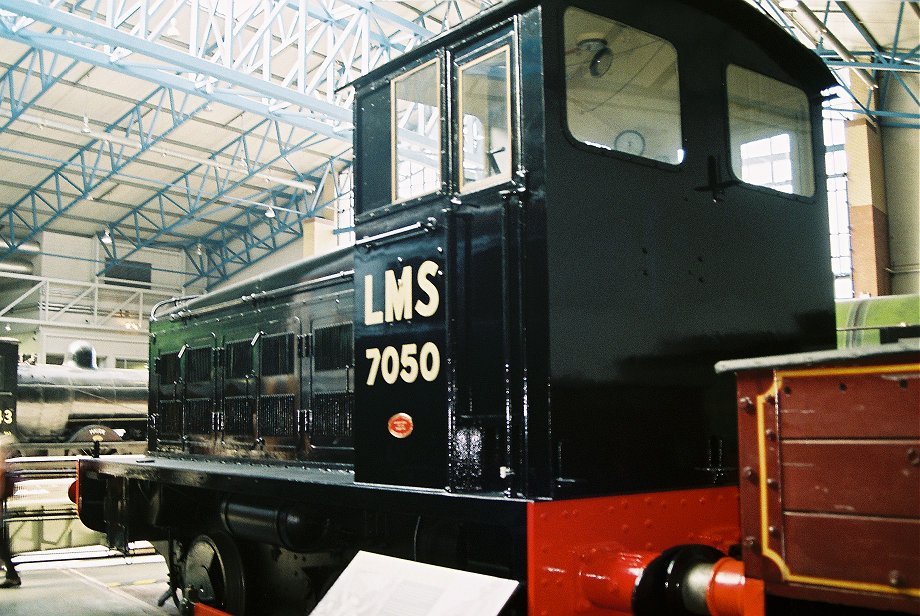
[
  {"x": 607, "y": 150},
  {"x": 471, "y": 54},
  {"x": 438, "y": 61},
  {"x": 809, "y": 157}
]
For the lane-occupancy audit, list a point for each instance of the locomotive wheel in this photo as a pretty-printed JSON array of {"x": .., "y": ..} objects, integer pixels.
[{"x": 213, "y": 574}]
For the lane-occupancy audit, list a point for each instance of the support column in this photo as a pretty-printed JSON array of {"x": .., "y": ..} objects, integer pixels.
[
  {"x": 318, "y": 237},
  {"x": 868, "y": 210}
]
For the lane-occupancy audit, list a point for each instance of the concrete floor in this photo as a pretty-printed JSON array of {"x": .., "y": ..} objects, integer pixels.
[{"x": 83, "y": 583}]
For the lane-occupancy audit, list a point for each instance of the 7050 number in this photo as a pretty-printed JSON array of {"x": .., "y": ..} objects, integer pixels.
[{"x": 407, "y": 363}]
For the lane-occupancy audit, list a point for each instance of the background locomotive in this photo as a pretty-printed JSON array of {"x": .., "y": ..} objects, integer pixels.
[
  {"x": 42, "y": 405},
  {"x": 568, "y": 213}
]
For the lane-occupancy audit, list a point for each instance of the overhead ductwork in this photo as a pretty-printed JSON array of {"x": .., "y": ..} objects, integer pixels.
[
  {"x": 18, "y": 266},
  {"x": 28, "y": 248},
  {"x": 15, "y": 266}
]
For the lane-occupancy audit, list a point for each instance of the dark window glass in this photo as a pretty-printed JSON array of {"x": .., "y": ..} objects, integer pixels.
[
  {"x": 239, "y": 359},
  {"x": 333, "y": 347},
  {"x": 198, "y": 365},
  {"x": 373, "y": 150},
  {"x": 278, "y": 354},
  {"x": 168, "y": 368}
]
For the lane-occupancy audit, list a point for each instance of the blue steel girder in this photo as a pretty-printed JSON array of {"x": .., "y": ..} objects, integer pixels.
[
  {"x": 27, "y": 80},
  {"x": 250, "y": 237},
  {"x": 206, "y": 186},
  {"x": 880, "y": 67},
  {"x": 97, "y": 161},
  {"x": 98, "y": 44},
  {"x": 230, "y": 47}
]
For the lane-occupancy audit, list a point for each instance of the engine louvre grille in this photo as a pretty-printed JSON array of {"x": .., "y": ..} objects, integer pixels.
[
  {"x": 198, "y": 416},
  {"x": 276, "y": 415},
  {"x": 198, "y": 365},
  {"x": 333, "y": 347},
  {"x": 331, "y": 418},
  {"x": 278, "y": 354},
  {"x": 238, "y": 415},
  {"x": 170, "y": 418}
]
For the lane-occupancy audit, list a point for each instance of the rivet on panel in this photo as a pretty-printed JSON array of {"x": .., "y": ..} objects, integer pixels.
[
  {"x": 772, "y": 530},
  {"x": 913, "y": 456},
  {"x": 771, "y": 433},
  {"x": 772, "y": 483},
  {"x": 746, "y": 404}
]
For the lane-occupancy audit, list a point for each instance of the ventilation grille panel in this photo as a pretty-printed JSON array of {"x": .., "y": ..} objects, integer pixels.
[{"x": 276, "y": 415}]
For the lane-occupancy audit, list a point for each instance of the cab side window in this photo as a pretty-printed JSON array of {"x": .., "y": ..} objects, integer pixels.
[
  {"x": 485, "y": 108},
  {"x": 622, "y": 88},
  {"x": 416, "y": 132}
]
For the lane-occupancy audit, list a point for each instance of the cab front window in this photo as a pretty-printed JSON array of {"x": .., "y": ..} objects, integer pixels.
[
  {"x": 622, "y": 88},
  {"x": 770, "y": 132}
]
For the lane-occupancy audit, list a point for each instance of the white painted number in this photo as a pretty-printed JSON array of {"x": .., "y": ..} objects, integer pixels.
[
  {"x": 393, "y": 365},
  {"x": 389, "y": 366},
  {"x": 410, "y": 364},
  {"x": 7, "y": 416},
  {"x": 430, "y": 360}
]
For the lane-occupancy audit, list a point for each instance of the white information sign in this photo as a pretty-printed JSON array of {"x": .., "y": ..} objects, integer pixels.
[{"x": 375, "y": 585}]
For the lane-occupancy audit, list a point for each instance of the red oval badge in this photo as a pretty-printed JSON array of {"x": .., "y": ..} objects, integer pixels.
[{"x": 400, "y": 425}]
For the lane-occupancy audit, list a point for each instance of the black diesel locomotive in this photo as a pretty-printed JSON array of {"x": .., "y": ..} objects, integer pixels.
[{"x": 567, "y": 212}]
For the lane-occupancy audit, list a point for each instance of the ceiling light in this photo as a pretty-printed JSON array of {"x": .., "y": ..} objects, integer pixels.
[
  {"x": 269, "y": 212},
  {"x": 199, "y": 250},
  {"x": 106, "y": 237},
  {"x": 85, "y": 124},
  {"x": 7, "y": 327}
]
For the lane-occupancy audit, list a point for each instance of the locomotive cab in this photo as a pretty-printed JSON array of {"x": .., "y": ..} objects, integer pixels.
[{"x": 567, "y": 212}]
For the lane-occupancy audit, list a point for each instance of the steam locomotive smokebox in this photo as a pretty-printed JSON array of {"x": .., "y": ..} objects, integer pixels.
[{"x": 400, "y": 345}]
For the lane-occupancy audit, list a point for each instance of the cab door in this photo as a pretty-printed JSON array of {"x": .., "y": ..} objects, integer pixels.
[{"x": 485, "y": 239}]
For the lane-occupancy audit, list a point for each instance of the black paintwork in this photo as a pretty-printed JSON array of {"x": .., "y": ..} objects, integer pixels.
[{"x": 582, "y": 304}]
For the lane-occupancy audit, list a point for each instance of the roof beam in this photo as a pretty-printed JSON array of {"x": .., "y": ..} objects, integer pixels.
[
  {"x": 17, "y": 84},
  {"x": 251, "y": 236},
  {"x": 99, "y": 44},
  {"x": 100, "y": 159},
  {"x": 207, "y": 184}
]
